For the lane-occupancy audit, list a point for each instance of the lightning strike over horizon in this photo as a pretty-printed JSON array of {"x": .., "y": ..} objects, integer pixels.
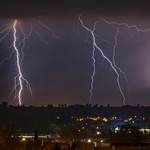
[
  {"x": 20, "y": 76},
  {"x": 93, "y": 74},
  {"x": 114, "y": 53},
  {"x": 129, "y": 27},
  {"x": 83, "y": 36},
  {"x": 111, "y": 64},
  {"x": 17, "y": 48}
]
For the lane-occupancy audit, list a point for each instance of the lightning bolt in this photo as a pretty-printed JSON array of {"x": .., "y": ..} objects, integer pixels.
[
  {"x": 19, "y": 80},
  {"x": 8, "y": 30},
  {"x": 19, "y": 76},
  {"x": 40, "y": 37},
  {"x": 129, "y": 27},
  {"x": 105, "y": 57},
  {"x": 92, "y": 77},
  {"x": 53, "y": 34},
  {"x": 125, "y": 24},
  {"x": 93, "y": 59},
  {"x": 114, "y": 49}
]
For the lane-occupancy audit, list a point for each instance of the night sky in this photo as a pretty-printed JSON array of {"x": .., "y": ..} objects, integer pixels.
[{"x": 58, "y": 63}]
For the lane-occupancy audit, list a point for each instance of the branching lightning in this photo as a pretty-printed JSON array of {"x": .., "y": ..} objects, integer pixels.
[
  {"x": 125, "y": 24},
  {"x": 53, "y": 34},
  {"x": 40, "y": 37},
  {"x": 129, "y": 27},
  {"x": 18, "y": 49},
  {"x": 92, "y": 77},
  {"x": 116, "y": 65},
  {"x": 8, "y": 28},
  {"x": 114, "y": 53},
  {"x": 95, "y": 46},
  {"x": 20, "y": 76},
  {"x": 19, "y": 79}
]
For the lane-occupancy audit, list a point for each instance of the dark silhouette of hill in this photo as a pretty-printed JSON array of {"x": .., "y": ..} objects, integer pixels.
[{"x": 23, "y": 116}]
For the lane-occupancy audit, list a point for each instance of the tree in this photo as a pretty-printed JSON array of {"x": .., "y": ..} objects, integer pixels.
[
  {"x": 49, "y": 106},
  {"x": 70, "y": 137},
  {"x": 96, "y": 105},
  {"x": 4, "y": 104},
  {"x": 9, "y": 137},
  {"x": 127, "y": 133},
  {"x": 57, "y": 147},
  {"x": 54, "y": 129},
  {"x": 74, "y": 146},
  {"x": 130, "y": 133}
]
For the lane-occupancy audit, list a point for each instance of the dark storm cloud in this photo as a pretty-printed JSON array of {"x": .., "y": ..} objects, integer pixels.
[{"x": 17, "y": 8}]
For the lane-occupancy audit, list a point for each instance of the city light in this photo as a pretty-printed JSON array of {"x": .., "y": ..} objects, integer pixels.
[
  {"x": 98, "y": 133},
  {"x": 23, "y": 139}
]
